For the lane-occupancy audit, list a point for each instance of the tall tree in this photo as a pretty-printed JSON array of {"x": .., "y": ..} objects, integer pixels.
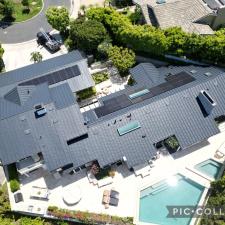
[
  {"x": 58, "y": 18},
  {"x": 87, "y": 35},
  {"x": 122, "y": 58},
  {"x": 7, "y": 8}
]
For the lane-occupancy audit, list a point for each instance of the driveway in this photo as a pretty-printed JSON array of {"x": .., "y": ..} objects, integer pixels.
[
  {"x": 25, "y": 31},
  {"x": 18, "y": 55}
]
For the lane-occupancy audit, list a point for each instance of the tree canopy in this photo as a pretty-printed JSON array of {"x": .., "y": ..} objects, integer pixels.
[
  {"x": 158, "y": 42},
  {"x": 87, "y": 35},
  {"x": 6, "y": 8},
  {"x": 58, "y": 18},
  {"x": 1, "y": 60},
  {"x": 122, "y": 58}
]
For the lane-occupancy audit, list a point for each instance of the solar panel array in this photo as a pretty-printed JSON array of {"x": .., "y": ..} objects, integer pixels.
[
  {"x": 55, "y": 77},
  {"x": 123, "y": 101}
]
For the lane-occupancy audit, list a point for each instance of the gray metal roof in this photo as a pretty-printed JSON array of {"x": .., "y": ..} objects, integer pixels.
[
  {"x": 175, "y": 112},
  {"x": 11, "y": 79}
]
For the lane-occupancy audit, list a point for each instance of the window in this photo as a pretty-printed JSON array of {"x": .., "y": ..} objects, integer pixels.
[
  {"x": 128, "y": 128},
  {"x": 76, "y": 139}
]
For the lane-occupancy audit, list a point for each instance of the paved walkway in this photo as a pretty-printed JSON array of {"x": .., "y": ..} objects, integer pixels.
[{"x": 25, "y": 31}]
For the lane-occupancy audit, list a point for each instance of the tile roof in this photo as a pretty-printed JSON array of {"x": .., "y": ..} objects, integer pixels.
[{"x": 180, "y": 13}]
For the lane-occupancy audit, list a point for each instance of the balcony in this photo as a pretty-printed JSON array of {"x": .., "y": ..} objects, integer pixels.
[{"x": 29, "y": 164}]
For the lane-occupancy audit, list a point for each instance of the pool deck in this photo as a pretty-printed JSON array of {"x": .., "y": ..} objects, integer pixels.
[{"x": 124, "y": 181}]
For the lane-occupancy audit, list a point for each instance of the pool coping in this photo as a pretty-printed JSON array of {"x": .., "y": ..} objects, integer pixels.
[
  {"x": 196, "y": 171},
  {"x": 181, "y": 172}
]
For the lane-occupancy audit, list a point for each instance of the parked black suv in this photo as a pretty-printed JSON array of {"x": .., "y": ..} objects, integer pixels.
[{"x": 45, "y": 39}]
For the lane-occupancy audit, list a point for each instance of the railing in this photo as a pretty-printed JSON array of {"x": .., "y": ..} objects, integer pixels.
[{"x": 31, "y": 167}]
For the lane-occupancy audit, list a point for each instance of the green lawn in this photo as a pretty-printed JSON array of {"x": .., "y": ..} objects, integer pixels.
[{"x": 21, "y": 13}]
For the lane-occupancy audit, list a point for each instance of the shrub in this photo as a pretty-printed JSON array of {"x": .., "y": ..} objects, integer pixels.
[
  {"x": 100, "y": 77},
  {"x": 86, "y": 93},
  {"x": 90, "y": 218},
  {"x": 122, "y": 58},
  {"x": 158, "y": 42},
  {"x": 4, "y": 199},
  {"x": 58, "y": 18},
  {"x": 131, "y": 81},
  {"x": 87, "y": 35},
  {"x": 14, "y": 185}
]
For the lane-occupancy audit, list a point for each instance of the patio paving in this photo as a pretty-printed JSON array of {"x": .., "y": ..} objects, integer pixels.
[{"x": 125, "y": 182}]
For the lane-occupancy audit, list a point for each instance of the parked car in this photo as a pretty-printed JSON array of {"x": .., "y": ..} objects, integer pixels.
[{"x": 45, "y": 39}]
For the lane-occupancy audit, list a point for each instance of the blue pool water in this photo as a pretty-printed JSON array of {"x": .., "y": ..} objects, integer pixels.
[
  {"x": 176, "y": 191},
  {"x": 209, "y": 167}
]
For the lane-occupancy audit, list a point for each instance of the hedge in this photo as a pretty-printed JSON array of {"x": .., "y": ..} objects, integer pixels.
[
  {"x": 156, "y": 41},
  {"x": 86, "y": 93},
  {"x": 87, "y": 217},
  {"x": 100, "y": 77}
]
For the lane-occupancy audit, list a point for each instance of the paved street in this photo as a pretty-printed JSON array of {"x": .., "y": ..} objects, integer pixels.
[{"x": 25, "y": 31}]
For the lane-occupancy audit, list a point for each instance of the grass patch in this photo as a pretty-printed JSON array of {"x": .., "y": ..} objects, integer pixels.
[
  {"x": 100, "y": 77},
  {"x": 86, "y": 93},
  {"x": 22, "y": 13}
]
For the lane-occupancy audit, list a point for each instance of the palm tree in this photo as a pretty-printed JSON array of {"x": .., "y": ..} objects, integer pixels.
[{"x": 36, "y": 57}]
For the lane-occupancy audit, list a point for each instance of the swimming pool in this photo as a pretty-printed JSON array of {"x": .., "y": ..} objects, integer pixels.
[
  {"x": 176, "y": 190},
  {"x": 209, "y": 167}
]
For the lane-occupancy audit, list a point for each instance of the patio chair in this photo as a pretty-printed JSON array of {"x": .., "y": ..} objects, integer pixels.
[
  {"x": 114, "y": 201},
  {"x": 18, "y": 197},
  {"x": 114, "y": 194},
  {"x": 106, "y": 198}
]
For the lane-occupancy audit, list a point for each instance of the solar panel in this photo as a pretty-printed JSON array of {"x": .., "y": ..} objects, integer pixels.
[
  {"x": 55, "y": 77},
  {"x": 123, "y": 101}
]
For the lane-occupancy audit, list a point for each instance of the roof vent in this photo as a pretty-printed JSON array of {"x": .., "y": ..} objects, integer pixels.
[
  {"x": 38, "y": 106},
  {"x": 193, "y": 71},
  {"x": 54, "y": 121},
  {"x": 208, "y": 74},
  {"x": 22, "y": 118},
  {"x": 27, "y": 131},
  {"x": 39, "y": 113},
  {"x": 205, "y": 102}
]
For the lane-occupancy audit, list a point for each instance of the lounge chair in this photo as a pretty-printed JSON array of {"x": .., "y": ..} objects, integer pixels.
[
  {"x": 113, "y": 201},
  {"x": 18, "y": 197},
  {"x": 218, "y": 155},
  {"x": 114, "y": 194},
  {"x": 106, "y": 198}
]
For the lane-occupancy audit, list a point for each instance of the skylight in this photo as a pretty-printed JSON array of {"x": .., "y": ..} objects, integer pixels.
[
  {"x": 128, "y": 128},
  {"x": 138, "y": 94}
]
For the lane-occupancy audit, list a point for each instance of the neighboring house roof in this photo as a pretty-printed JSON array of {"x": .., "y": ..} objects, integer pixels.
[
  {"x": 178, "y": 13},
  {"x": 55, "y": 66},
  {"x": 63, "y": 136},
  {"x": 183, "y": 13}
]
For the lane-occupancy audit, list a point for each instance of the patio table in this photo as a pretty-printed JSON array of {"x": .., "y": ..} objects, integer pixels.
[{"x": 39, "y": 192}]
